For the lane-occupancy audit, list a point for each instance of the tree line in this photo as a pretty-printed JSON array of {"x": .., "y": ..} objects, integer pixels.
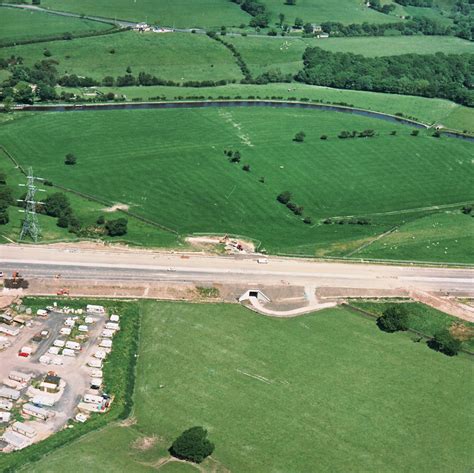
[{"x": 440, "y": 75}]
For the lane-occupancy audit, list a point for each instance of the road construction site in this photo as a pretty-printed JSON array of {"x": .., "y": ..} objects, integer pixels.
[{"x": 292, "y": 284}]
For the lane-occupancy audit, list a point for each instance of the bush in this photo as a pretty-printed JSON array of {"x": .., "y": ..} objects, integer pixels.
[
  {"x": 300, "y": 136},
  {"x": 394, "y": 319},
  {"x": 100, "y": 220},
  {"x": 246, "y": 167},
  {"x": 116, "y": 227},
  {"x": 324, "y": 137},
  {"x": 308, "y": 220},
  {"x": 415, "y": 132},
  {"x": 70, "y": 159},
  {"x": 192, "y": 445},
  {"x": 284, "y": 197},
  {"x": 57, "y": 204},
  {"x": 445, "y": 343}
]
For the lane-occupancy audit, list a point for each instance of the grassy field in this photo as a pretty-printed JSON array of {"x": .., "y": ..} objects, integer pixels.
[
  {"x": 328, "y": 389},
  {"x": 170, "y": 56},
  {"x": 424, "y": 319},
  {"x": 266, "y": 53},
  {"x": 318, "y": 11},
  {"x": 139, "y": 233},
  {"x": 442, "y": 237},
  {"x": 177, "y": 13},
  {"x": 187, "y": 184},
  {"x": 429, "y": 111},
  {"x": 16, "y": 24}
]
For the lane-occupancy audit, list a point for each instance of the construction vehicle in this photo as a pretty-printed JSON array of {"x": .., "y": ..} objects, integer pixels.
[
  {"x": 63, "y": 292},
  {"x": 16, "y": 281}
]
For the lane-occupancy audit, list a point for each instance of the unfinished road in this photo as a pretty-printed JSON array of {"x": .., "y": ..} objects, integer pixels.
[{"x": 122, "y": 265}]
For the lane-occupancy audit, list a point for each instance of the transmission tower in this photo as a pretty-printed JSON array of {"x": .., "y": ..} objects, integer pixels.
[{"x": 30, "y": 224}]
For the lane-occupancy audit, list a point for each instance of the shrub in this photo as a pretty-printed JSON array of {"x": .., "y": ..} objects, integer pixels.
[
  {"x": 300, "y": 136},
  {"x": 394, "y": 319},
  {"x": 70, "y": 159},
  {"x": 57, "y": 204},
  {"x": 246, "y": 167},
  {"x": 284, "y": 197},
  {"x": 308, "y": 220},
  {"x": 100, "y": 220},
  {"x": 415, "y": 132},
  {"x": 116, "y": 227},
  {"x": 445, "y": 343},
  {"x": 192, "y": 445},
  {"x": 324, "y": 137}
]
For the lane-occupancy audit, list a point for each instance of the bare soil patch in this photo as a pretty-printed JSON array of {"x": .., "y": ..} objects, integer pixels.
[
  {"x": 461, "y": 332},
  {"x": 116, "y": 207},
  {"x": 144, "y": 443},
  {"x": 227, "y": 244}
]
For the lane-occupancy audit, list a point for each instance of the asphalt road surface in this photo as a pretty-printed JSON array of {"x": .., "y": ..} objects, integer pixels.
[{"x": 144, "y": 265}]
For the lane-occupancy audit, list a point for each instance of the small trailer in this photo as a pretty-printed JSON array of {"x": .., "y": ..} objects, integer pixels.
[
  {"x": 100, "y": 354},
  {"x": 107, "y": 333},
  {"x": 25, "y": 351},
  {"x": 112, "y": 326},
  {"x": 115, "y": 318},
  {"x": 65, "y": 331},
  {"x": 93, "y": 399},
  {"x": 83, "y": 328},
  {"x": 5, "y": 417},
  {"x": 19, "y": 376},
  {"x": 24, "y": 429},
  {"x": 42, "y": 312},
  {"x": 9, "y": 393},
  {"x": 73, "y": 346},
  {"x": 6, "y": 405},
  {"x": 95, "y": 309},
  {"x": 38, "y": 412},
  {"x": 95, "y": 363},
  {"x": 106, "y": 343},
  {"x": 9, "y": 330},
  {"x": 41, "y": 401},
  {"x": 69, "y": 352}
]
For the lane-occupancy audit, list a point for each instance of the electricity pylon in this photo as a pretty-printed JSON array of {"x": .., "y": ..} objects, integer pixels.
[{"x": 30, "y": 223}]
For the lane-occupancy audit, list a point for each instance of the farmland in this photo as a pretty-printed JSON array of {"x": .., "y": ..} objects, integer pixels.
[
  {"x": 189, "y": 185},
  {"x": 176, "y": 13},
  {"x": 358, "y": 413},
  {"x": 175, "y": 57},
  {"x": 37, "y": 24},
  {"x": 286, "y": 54},
  {"x": 318, "y": 11},
  {"x": 429, "y": 111}
]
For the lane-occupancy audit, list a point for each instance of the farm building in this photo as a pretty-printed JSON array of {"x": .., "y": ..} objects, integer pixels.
[{"x": 9, "y": 393}]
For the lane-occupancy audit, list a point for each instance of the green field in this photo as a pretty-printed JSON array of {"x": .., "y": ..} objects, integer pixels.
[
  {"x": 187, "y": 184},
  {"x": 334, "y": 391},
  {"x": 170, "y": 56},
  {"x": 17, "y": 25},
  {"x": 429, "y": 111},
  {"x": 318, "y": 11},
  {"x": 176, "y": 13},
  {"x": 267, "y": 53},
  {"x": 422, "y": 318},
  {"x": 440, "y": 237},
  {"x": 139, "y": 233}
]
